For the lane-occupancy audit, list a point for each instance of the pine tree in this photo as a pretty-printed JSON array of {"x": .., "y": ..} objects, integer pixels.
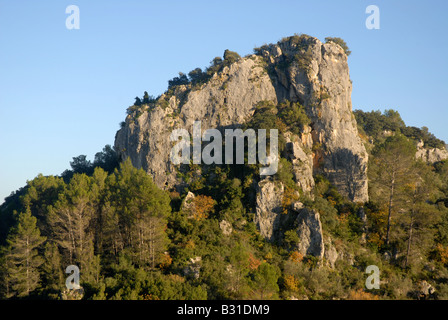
[
  {"x": 390, "y": 170},
  {"x": 72, "y": 217},
  {"x": 142, "y": 209},
  {"x": 420, "y": 214},
  {"x": 23, "y": 259},
  {"x": 5, "y": 265},
  {"x": 265, "y": 282},
  {"x": 52, "y": 270}
]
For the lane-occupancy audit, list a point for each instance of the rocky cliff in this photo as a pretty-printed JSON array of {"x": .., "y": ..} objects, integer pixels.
[
  {"x": 298, "y": 69},
  {"x": 316, "y": 74},
  {"x": 228, "y": 100},
  {"x": 301, "y": 69},
  {"x": 430, "y": 155}
]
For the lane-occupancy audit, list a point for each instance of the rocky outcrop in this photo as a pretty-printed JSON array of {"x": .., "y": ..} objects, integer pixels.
[
  {"x": 227, "y": 100},
  {"x": 364, "y": 224},
  {"x": 193, "y": 268},
  {"x": 309, "y": 230},
  {"x": 319, "y": 79},
  {"x": 269, "y": 208},
  {"x": 300, "y": 69},
  {"x": 302, "y": 161},
  {"x": 187, "y": 203},
  {"x": 270, "y": 219},
  {"x": 226, "y": 227},
  {"x": 426, "y": 290},
  {"x": 330, "y": 254},
  {"x": 430, "y": 155}
]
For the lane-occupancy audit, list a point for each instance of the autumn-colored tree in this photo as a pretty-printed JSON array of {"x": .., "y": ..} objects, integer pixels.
[
  {"x": 291, "y": 283},
  {"x": 377, "y": 225},
  {"x": 202, "y": 207},
  {"x": 289, "y": 196},
  {"x": 361, "y": 295},
  {"x": 441, "y": 253},
  {"x": 165, "y": 260},
  {"x": 296, "y": 256},
  {"x": 254, "y": 263}
]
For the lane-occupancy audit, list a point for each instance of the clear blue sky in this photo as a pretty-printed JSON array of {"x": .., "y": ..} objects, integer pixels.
[{"x": 63, "y": 92}]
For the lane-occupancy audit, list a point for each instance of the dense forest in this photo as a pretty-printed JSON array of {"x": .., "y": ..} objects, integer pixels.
[{"x": 132, "y": 240}]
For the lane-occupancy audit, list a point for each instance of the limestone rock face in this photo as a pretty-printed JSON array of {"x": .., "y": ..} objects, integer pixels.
[
  {"x": 426, "y": 290},
  {"x": 226, "y": 227},
  {"x": 331, "y": 254},
  {"x": 320, "y": 81},
  {"x": 430, "y": 155},
  {"x": 302, "y": 163},
  {"x": 269, "y": 208},
  {"x": 187, "y": 203},
  {"x": 227, "y": 100},
  {"x": 193, "y": 268},
  {"x": 309, "y": 230},
  {"x": 318, "y": 78}
]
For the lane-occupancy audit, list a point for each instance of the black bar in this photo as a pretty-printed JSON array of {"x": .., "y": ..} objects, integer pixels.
[{"x": 223, "y": 309}]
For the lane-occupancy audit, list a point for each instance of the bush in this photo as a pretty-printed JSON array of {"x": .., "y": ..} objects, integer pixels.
[
  {"x": 340, "y": 42},
  {"x": 294, "y": 116},
  {"x": 374, "y": 123},
  {"x": 297, "y": 39},
  {"x": 258, "y": 51},
  {"x": 182, "y": 79},
  {"x": 284, "y": 173},
  {"x": 424, "y": 135},
  {"x": 197, "y": 76},
  {"x": 215, "y": 66},
  {"x": 230, "y": 57}
]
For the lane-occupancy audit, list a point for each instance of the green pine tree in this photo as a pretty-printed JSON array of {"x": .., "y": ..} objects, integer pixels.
[
  {"x": 52, "y": 270},
  {"x": 5, "y": 265},
  {"x": 142, "y": 212},
  {"x": 24, "y": 261},
  {"x": 391, "y": 167}
]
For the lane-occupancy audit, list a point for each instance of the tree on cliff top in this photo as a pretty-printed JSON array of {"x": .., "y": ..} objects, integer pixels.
[{"x": 340, "y": 42}]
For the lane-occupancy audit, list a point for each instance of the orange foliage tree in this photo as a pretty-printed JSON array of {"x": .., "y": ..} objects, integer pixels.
[
  {"x": 291, "y": 283},
  {"x": 202, "y": 207},
  {"x": 296, "y": 256},
  {"x": 254, "y": 263},
  {"x": 361, "y": 295}
]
